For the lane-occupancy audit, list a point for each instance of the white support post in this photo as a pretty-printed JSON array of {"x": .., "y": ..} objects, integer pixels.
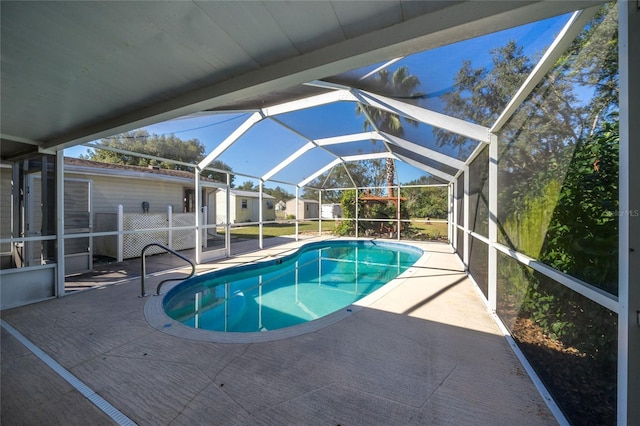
[
  {"x": 493, "y": 222},
  {"x": 466, "y": 221},
  {"x": 629, "y": 216},
  {"x": 398, "y": 218},
  {"x": 297, "y": 209},
  {"x": 454, "y": 228},
  {"x": 260, "y": 200},
  {"x": 450, "y": 208},
  {"x": 227, "y": 231},
  {"x": 205, "y": 222},
  {"x": 60, "y": 270},
  {"x": 357, "y": 212},
  {"x": 120, "y": 237},
  {"x": 320, "y": 212},
  {"x": 197, "y": 212},
  {"x": 170, "y": 225}
]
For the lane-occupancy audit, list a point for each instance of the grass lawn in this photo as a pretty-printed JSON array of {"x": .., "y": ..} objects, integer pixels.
[
  {"x": 433, "y": 230},
  {"x": 430, "y": 227},
  {"x": 270, "y": 230}
]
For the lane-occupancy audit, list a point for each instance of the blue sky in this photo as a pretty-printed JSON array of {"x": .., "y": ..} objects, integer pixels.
[{"x": 265, "y": 145}]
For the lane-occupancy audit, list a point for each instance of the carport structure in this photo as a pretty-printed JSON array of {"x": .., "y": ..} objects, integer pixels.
[{"x": 75, "y": 72}]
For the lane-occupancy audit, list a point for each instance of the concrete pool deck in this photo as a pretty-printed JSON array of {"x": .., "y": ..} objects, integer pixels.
[{"x": 427, "y": 352}]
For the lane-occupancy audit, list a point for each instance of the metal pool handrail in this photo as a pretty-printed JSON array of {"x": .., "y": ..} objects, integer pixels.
[{"x": 144, "y": 268}]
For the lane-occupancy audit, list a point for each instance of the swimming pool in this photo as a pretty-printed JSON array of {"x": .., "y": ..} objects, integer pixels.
[{"x": 315, "y": 281}]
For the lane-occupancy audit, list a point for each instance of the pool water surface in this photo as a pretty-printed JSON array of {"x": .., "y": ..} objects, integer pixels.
[{"x": 317, "y": 280}]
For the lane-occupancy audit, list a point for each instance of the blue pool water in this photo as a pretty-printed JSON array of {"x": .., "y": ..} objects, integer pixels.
[{"x": 317, "y": 280}]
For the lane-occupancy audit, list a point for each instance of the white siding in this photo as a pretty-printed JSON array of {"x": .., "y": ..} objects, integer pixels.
[
  {"x": 221, "y": 207},
  {"x": 243, "y": 215},
  {"x": 307, "y": 209},
  {"x": 240, "y": 215},
  {"x": 109, "y": 191}
]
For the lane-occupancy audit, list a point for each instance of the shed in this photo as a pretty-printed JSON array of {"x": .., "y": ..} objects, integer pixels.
[
  {"x": 307, "y": 209},
  {"x": 244, "y": 206},
  {"x": 331, "y": 211}
]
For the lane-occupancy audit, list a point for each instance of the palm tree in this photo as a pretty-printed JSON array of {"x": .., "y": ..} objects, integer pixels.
[{"x": 400, "y": 84}]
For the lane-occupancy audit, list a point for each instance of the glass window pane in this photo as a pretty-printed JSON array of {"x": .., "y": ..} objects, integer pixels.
[
  {"x": 569, "y": 340},
  {"x": 558, "y": 162}
]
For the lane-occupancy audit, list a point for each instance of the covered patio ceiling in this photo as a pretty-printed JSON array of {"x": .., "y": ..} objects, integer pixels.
[{"x": 75, "y": 72}]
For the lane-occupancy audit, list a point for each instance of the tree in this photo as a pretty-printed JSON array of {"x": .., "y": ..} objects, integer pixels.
[
  {"x": 247, "y": 186},
  {"x": 544, "y": 131},
  {"x": 399, "y": 84},
  {"x": 426, "y": 202},
  {"x": 362, "y": 173},
  {"x": 557, "y": 203},
  {"x": 280, "y": 194},
  {"x": 171, "y": 147}
]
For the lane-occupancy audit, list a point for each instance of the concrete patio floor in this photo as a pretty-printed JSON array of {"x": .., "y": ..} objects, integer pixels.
[{"x": 426, "y": 353}]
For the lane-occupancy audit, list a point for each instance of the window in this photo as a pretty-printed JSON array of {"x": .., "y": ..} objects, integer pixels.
[
  {"x": 244, "y": 204},
  {"x": 269, "y": 204}
]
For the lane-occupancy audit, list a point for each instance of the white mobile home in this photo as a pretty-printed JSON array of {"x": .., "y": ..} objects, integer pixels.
[
  {"x": 130, "y": 186},
  {"x": 150, "y": 198},
  {"x": 244, "y": 206}
]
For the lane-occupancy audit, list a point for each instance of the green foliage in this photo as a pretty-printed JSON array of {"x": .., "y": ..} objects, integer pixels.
[
  {"x": 162, "y": 146},
  {"x": 426, "y": 202},
  {"x": 573, "y": 228},
  {"x": 247, "y": 186},
  {"x": 348, "y": 204},
  {"x": 582, "y": 239},
  {"x": 280, "y": 194},
  {"x": 527, "y": 227},
  {"x": 480, "y": 94},
  {"x": 558, "y": 174},
  {"x": 400, "y": 84}
]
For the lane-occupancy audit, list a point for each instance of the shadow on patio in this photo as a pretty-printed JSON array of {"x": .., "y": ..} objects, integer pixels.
[{"x": 427, "y": 352}]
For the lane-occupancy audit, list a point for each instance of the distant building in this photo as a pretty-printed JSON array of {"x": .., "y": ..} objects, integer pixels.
[
  {"x": 331, "y": 211},
  {"x": 245, "y": 206},
  {"x": 307, "y": 209}
]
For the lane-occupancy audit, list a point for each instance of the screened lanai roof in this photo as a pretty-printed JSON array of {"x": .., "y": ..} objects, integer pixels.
[
  {"x": 298, "y": 134},
  {"x": 284, "y": 90}
]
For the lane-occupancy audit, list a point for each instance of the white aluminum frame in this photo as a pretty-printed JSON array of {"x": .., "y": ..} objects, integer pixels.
[{"x": 629, "y": 226}]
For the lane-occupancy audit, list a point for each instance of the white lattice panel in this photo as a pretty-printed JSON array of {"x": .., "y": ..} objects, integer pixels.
[
  {"x": 183, "y": 239},
  {"x": 134, "y": 243}
]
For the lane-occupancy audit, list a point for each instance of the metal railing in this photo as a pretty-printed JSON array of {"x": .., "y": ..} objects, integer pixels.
[{"x": 144, "y": 268}]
